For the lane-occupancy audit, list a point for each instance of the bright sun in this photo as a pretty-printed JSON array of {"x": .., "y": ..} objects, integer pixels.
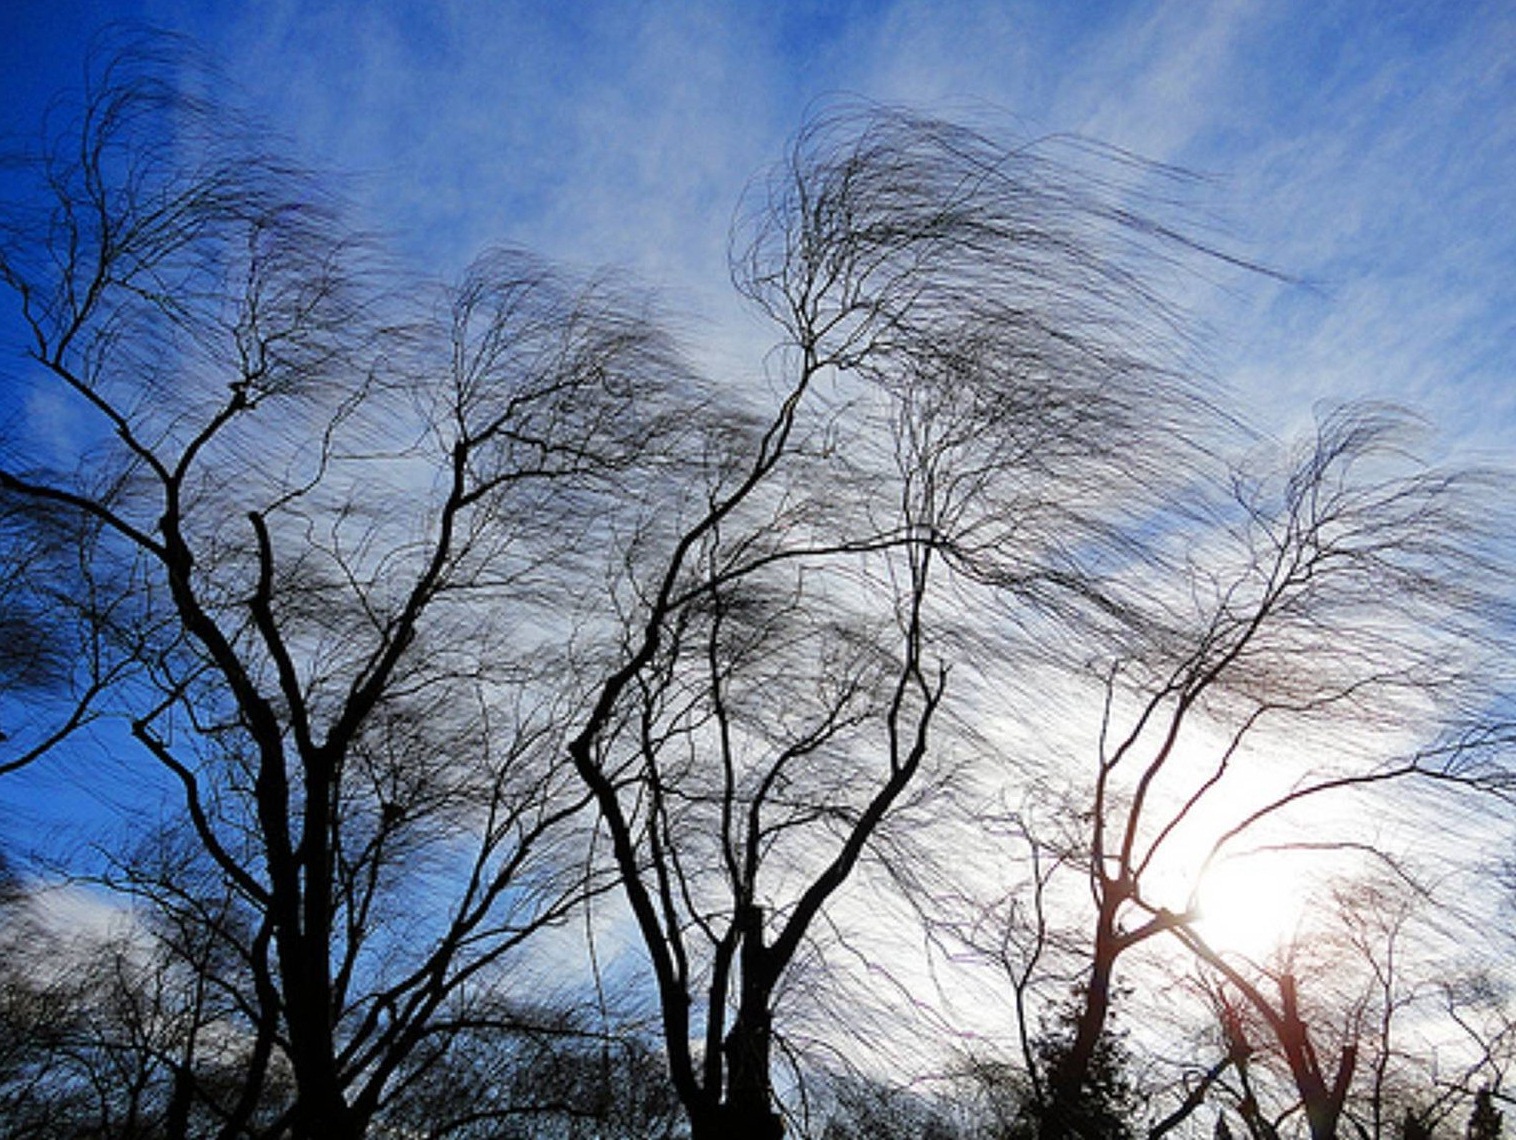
[{"x": 1249, "y": 905}]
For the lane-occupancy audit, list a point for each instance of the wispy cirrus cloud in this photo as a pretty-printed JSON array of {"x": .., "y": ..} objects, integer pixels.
[{"x": 1366, "y": 150}]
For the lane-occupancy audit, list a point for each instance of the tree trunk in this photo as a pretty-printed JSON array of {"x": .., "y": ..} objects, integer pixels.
[
  {"x": 732, "y": 1121},
  {"x": 176, "y": 1117},
  {"x": 738, "y": 1101},
  {"x": 321, "y": 1109},
  {"x": 322, "y": 1113},
  {"x": 1323, "y": 1103},
  {"x": 747, "y": 1109},
  {"x": 1071, "y": 1071},
  {"x": 747, "y": 1112}
]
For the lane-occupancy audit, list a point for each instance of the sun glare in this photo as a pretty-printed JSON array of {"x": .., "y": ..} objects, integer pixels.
[{"x": 1249, "y": 905}]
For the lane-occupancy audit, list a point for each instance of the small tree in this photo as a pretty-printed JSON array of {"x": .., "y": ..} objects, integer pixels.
[
  {"x": 1485, "y": 1120},
  {"x": 1106, "y": 1105}
]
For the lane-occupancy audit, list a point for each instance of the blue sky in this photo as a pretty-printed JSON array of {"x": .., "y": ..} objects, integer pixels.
[{"x": 1368, "y": 149}]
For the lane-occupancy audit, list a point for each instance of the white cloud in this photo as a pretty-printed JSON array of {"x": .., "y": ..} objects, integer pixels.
[{"x": 1367, "y": 151}]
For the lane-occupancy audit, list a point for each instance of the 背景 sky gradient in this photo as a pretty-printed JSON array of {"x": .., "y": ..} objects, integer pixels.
[{"x": 1366, "y": 149}]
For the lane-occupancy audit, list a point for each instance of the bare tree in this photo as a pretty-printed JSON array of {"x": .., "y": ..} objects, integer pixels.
[
  {"x": 973, "y": 408},
  {"x": 108, "y": 1030},
  {"x": 1355, "y": 1028},
  {"x": 340, "y": 541},
  {"x": 1344, "y": 603}
]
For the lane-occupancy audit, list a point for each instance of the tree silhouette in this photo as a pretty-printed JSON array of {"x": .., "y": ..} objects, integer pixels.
[
  {"x": 1349, "y": 588},
  {"x": 1485, "y": 1121},
  {"x": 449, "y": 612},
  {"x": 327, "y": 531},
  {"x": 972, "y": 409}
]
